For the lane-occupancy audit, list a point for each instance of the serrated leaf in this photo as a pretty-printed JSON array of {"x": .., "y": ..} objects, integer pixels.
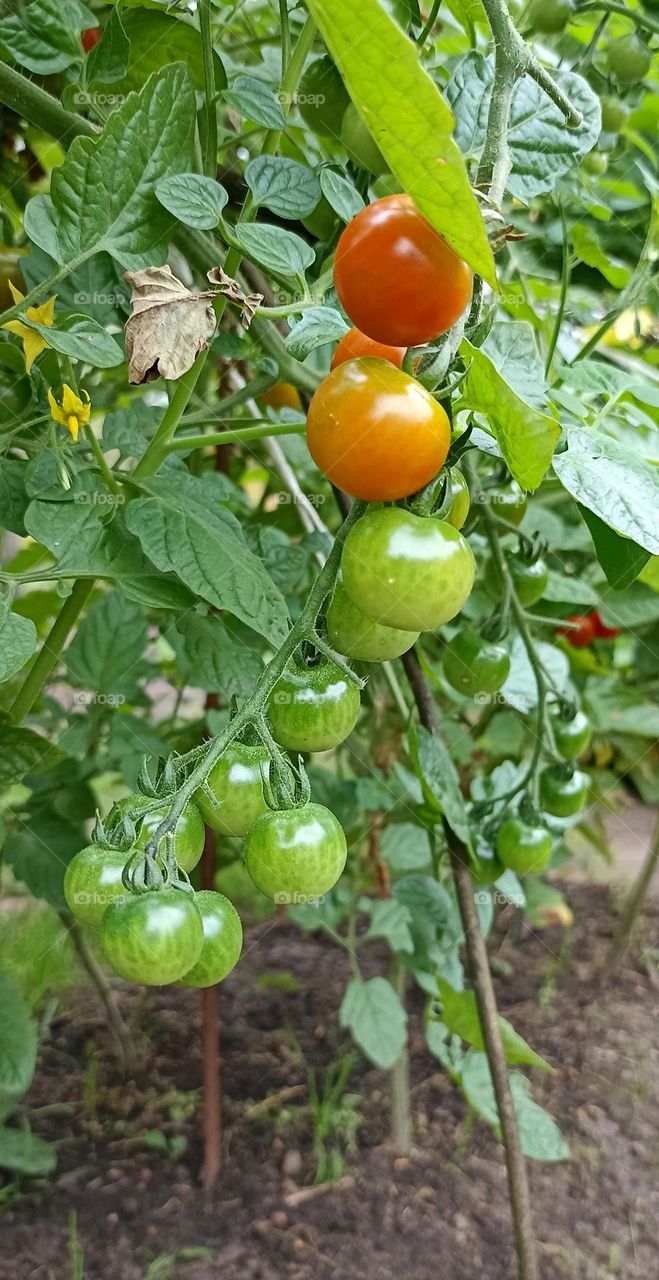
[
  {"x": 376, "y": 1019},
  {"x": 439, "y": 780},
  {"x": 460, "y": 1014},
  {"x": 107, "y": 650},
  {"x": 40, "y": 851},
  {"x": 541, "y": 146},
  {"x": 193, "y": 199},
  {"x": 318, "y": 326},
  {"x": 44, "y": 36},
  {"x": 217, "y": 660},
  {"x": 184, "y": 531},
  {"x": 468, "y": 93},
  {"x": 14, "y": 499},
  {"x": 512, "y": 346},
  {"x": 18, "y": 641},
  {"x": 287, "y": 188},
  {"x": 273, "y": 248},
  {"x": 255, "y": 101},
  {"x": 527, "y": 438},
  {"x": 408, "y": 118},
  {"x": 613, "y": 482},
  {"x": 22, "y": 751},
  {"x": 540, "y": 1137},
  {"x": 157, "y": 40},
  {"x": 520, "y": 689},
  {"x": 18, "y": 1043},
  {"x": 405, "y": 846},
  {"x": 84, "y": 339},
  {"x": 147, "y": 138},
  {"x": 341, "y": 194},
  {"x": 26, "y": 1153},
  {"x": 108, "y": 60}
]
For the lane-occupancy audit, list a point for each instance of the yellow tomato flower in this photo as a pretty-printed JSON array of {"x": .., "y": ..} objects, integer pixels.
[
  {"x": 33, "y": 343},
  {"x": 73, "y": 413}
]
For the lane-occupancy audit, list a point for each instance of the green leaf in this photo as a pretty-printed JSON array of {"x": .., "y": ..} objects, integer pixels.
[
  {"x": 376, "y": 1018},
  {"x": 541, "y": 146},
  {"x": 106, "y": 652},
  {"x": 44, "y": 36},
  {"x": 14, "y": 500},
  {"x": 287, "y": 188},
  {"x": 41, "y": 850},
  {"x": 439, "y": 780},
  {"x": 621, "y": 558},
  {"x": 83, "y": 339},
  {"x": 147, "y": 138},
  {"x": 468, "y": 93},
  {"x": 636, "y": 606},
  {"x": 340, "y": 193},
  {"x": 25, "y": 1152},
  {"x": 408, "y": 118},
  {"x": 18, "y": 641},
  {"x": 460, "y": 1015},
  {"x": 615, "y": 708},
  {"x": 571, "y": 589},
  {"x": 184, "y": 530},
  {"x": 405, "y": 846},
  {"x": 255, "y": 101},
  {"x": 540, "y": 1136},
  {"x": 587, "y": 247},
  {"x": 390, "y": 920},
  {"x": 108, "y": 60},
  {"x": 156, "y": 41},
  {"x": 193, "y": 199},
  {"x": 613, "y": 482},
  {"x": 22, "y": 751},
  {"x": 318, "y": 326},
  {"x": 77, "y": 535},
  {"x": 512, "y": 347},
  {"x": 526, "y": 437},
  {"x": 215, "y": 659},
  {"x": 276, "y": 250},
  {"x": 520, "y": 688},
  {"x": 18, "y": 1043}
]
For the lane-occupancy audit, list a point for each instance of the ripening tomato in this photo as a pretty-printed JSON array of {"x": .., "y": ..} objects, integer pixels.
[
  {"x": 354, "y": 634},
  {"x": 222, "y": 944},
  {"x": 236, "y": 783},
  {"x": 407, "y": 571},
  {"x": 90, "y": 37},
  {"x": 313, "y": 707},
  {"x": 396, "y": 277},
  {"x": 354, "y": 345},
  {"x": 93, "y": 880},
  {"x": 360, "y": 144},
  {"x": 474, "y": 665},
  {"x": 282, "y": 396},
  {"x": 600, "y": 628},
  {"x": 522, "y": 848},
  {"x": 571, "y": 735},
  {"x": 582, "y": 633},
  {"x": 296, "y": 855},
  {"x": 561, "y": 793},
  {"x": 154, "y": 937},
  {"x": 375, "y": 432}
]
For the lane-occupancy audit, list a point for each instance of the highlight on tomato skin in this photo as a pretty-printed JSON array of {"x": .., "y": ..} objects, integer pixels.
[
  {"x": 354, "y": 345},
  {"x": 396, "y": 277},
  {"x": 375, "y": 432}
]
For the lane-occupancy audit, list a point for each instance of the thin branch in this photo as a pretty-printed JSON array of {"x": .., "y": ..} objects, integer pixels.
[{"x": 115, "y": 1021}]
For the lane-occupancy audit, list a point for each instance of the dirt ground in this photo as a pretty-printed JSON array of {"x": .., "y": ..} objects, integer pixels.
[{"x": 440, "y": 1214}]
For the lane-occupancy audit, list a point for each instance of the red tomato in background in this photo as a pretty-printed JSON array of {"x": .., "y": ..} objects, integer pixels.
[
  {"x": 90, "y": 37},
  {"x": 601, "y": 630},
  {"x": 581, "y": 635}
]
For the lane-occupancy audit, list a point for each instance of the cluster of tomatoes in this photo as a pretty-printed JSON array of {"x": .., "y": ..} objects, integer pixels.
[{"x": 585, "y": 628}]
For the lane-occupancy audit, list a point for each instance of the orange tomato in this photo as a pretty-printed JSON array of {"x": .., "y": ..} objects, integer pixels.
[
  {"x": 282, "y": 396},
  {"x": 355, "y": 344}
]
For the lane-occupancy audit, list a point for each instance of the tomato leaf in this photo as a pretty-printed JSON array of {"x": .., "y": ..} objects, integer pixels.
[
  {"x": 621, "y": 558},
  {"x": 439, "y": 780},
  {"x": 409, "y": 120},
  {"x": 276, "y": 250},
  {"x": 18, "y": 1044},
  {"x": 22, "y": 751},
  {"x": 540, "y": 1136},
  {"x": 376, "y": 1018},
  {"x": 287, "y": 188},
  {"x": 255, "y": 101},
  {"x": 18, "y": 641},
  {"x": 318, "y": 326},
  {"x": 25, "y": 1152},
  {"x": 193, "y": 199},
  {"x": 526, "y": 436},
  {"x": 83, "y": 339},
  {"x": 45, "y": 36},
  {"x": 613, "y": 482},
  {"x": 156, "y": 40},
  {"x": 106, "y": 653},
  {"x": 340, "y": 194},
  {"x": 460, "y": 1014}
]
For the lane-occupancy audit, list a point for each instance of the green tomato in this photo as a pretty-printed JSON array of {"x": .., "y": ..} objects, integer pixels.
[
  {"x": 522, "y": 848},
  {"x": 614, "y": 115},
  {"x": 188, "y": 833},
  {"x": 561, "y": 795},
  {"x": 351, "y": 632},
  {"x": 223, "y": 940},
  {"x": 93, "y": 880},
  {"x": 629, "y": 59},
  {"x": 313, "y": 708},
  {"x": 360, "y": 144},
  {"x": 548, "y": 17},
  {"x": 571, "y": 736},
  {"x": 460, "y": 500},
  {"x": 296, "y": 855},
  {"x": 322, "y": 220},
  {"x": 529, "y": 580},
  {"x": 509, "y": 503},
  {"x": 486, "y": 870},
  {"x": 473, "y": 665},
  {"x": 154, "y": 937},
  {"x": 322, "y": 97},
  {"x": 407, "y": 571},
  {"x": 236, "y": 781},
  {"x": 595, "y": 164}
]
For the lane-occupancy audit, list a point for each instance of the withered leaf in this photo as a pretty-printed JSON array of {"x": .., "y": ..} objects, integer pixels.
[
  {"x": 169, "y": 325},
  {"x": 231, "y": 289}
]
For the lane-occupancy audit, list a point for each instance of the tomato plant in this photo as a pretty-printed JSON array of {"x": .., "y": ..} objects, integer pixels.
[
  {"x": 188, "y": 833},
  {"x": 376, "y": 432}
]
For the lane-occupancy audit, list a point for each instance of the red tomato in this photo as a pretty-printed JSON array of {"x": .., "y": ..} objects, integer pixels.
[
  {"x": 355, "y": 344},
  {"x": 601, "y": 630},
  {"x": 397, "y": 279},
  {"x": 581, "y": 635},
  {"x": 375, "y": 432},
  {"x": 90, "y": 37}
]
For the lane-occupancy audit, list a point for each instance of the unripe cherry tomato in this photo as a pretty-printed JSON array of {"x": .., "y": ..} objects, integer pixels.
[
  {"x": 322, "y": 97},
  {"x": 461, "y": 500},
  {"x": 93, "y": 880},
  {"x": 296, "y": 855},
  {"x": 529, "y": 580},
  {"x": 90, "y": 37},
  {"x": 629, "y": 59},
  {"x": 600, "y": 628},
  {"x": 313, "y": 707},
  {"x": 354, "y": 634},
  {"x": 561, "y": 795},
  {"x": 397, "y": 279},
  {"x": 375, "y": 432},
  {"x": 509, "y": 503},
  {"x": 614, "y": 115},
  {"x": 188, "y": 832},
  {"x": 595, "y": 164},
  {"x": 473, "y": 665},
  {"x": 407, "y": 571},
  {"x": 154, "y": 937},
  {"x": 284, "y": 395},
  {"x": 222, "y": 944},
  {"x": 355, "y": 345},
  {"x": 549, "y": 16},
  {"x": 582, "y": 634},
  {"x": 486, "y": 870},
  {"x": 236, "y": 781},
  {"x": 360, "y": 144},
  {"x": 522, "y": 848},
  {"x": 571, "y": 736}
]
